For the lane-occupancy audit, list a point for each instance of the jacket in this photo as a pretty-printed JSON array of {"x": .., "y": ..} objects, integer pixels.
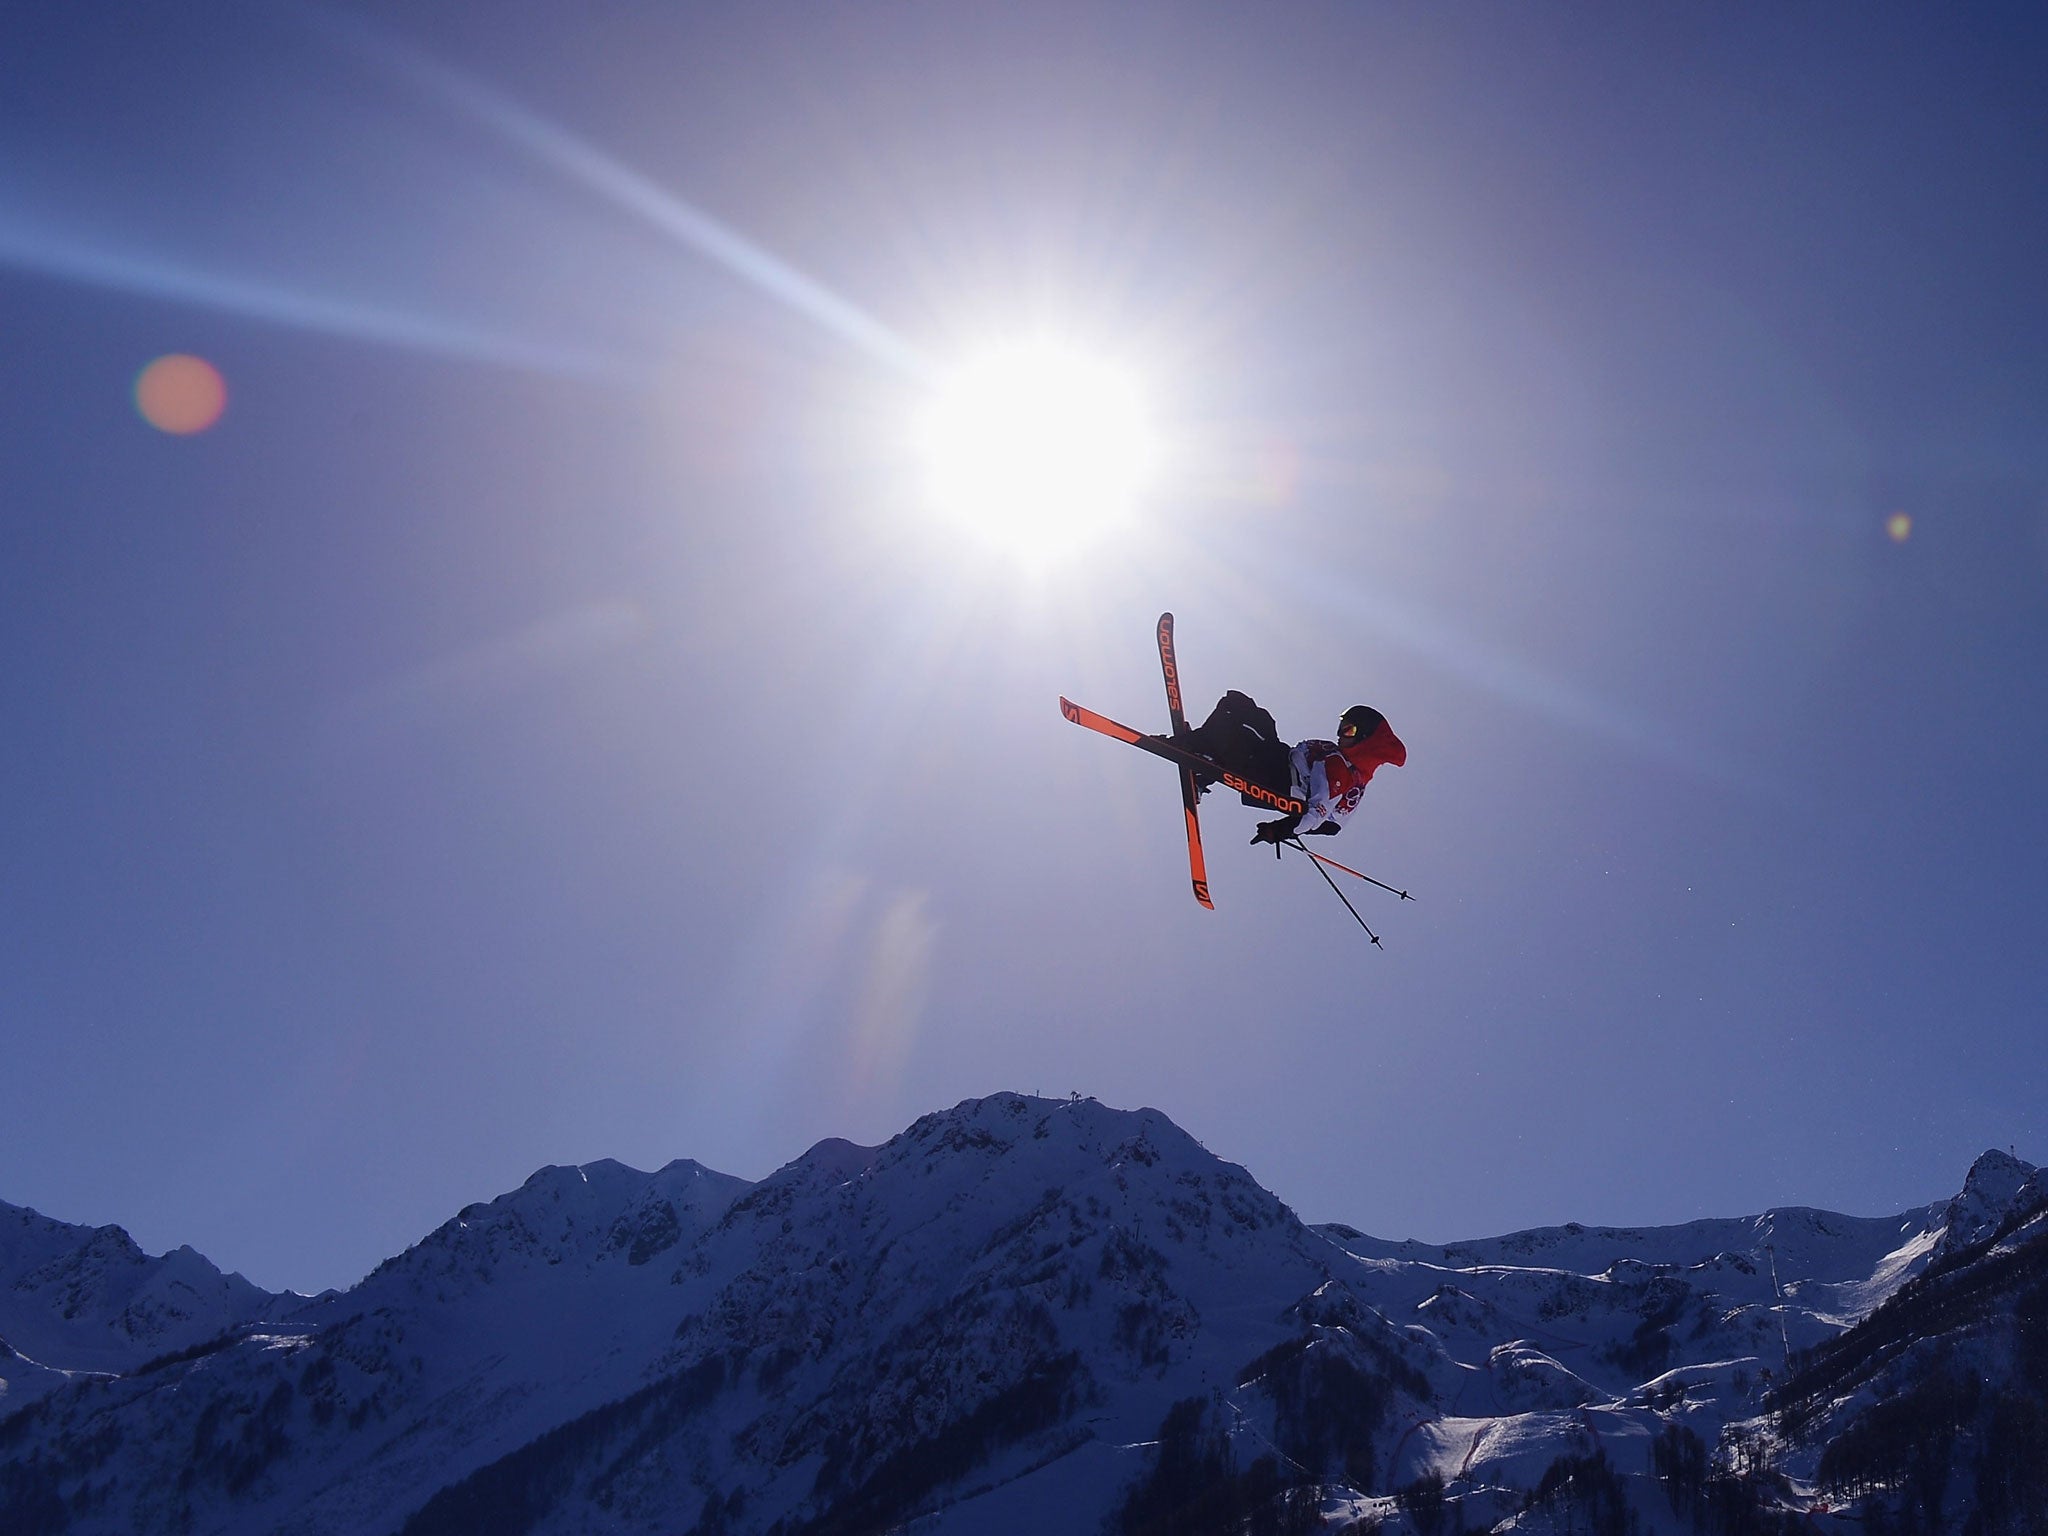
[{"x": 1332, "y": 779}]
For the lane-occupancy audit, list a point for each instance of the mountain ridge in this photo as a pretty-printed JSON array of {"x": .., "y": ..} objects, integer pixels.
[
  {"x": 1014, "y": 1309},
  {"x": 84, "y": 1298}
]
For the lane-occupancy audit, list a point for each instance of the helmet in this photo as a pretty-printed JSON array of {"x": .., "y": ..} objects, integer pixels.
[{"x": 1359, "y": 722}]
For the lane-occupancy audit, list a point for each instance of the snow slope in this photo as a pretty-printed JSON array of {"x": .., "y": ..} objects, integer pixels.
[{"x": 1018, "y": 1315}]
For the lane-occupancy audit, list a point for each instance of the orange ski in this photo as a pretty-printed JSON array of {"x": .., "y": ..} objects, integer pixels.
[
  {"x": 1173, "y": 752},
  {"x": 1198, "y": 869}
]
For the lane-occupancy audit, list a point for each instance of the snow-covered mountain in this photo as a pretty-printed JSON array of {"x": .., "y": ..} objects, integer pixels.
[
  {"x": 86, "y": 1299},
  {"x": 1020, "y": 1315}
]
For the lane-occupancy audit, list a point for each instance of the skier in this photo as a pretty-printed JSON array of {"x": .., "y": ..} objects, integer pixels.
[{"x": 1329, "y": 775}]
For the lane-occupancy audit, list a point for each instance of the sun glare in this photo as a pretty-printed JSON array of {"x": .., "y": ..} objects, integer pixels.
[{"x": 1037, "y": 449}]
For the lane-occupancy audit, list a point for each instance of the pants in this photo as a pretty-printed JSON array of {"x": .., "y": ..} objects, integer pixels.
[{"x": 1240, "y": 736}]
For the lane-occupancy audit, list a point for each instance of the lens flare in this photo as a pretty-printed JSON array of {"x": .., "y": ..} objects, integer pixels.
[
  {"x": 181, "y": 394},
  {"x": 1900, "y": 526}
]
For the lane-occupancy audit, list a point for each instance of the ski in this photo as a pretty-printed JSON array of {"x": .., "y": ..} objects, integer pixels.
[
  {"x": 1198, "y": 870},
  {"x": 1173, "y": 752}
]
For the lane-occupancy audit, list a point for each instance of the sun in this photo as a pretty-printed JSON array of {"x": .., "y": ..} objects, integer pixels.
[{"x": 1037, "y": 448}]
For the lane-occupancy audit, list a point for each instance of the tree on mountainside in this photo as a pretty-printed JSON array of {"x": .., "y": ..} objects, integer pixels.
[
  {"x": 1422, "y": 1501},
  {"x": 1575, "y": 1484}
]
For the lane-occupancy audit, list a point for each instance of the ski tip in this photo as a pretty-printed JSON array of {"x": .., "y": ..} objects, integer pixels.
[
  {"x": 1069, "y": 708},
  {"x": 1202, "y": 894}
]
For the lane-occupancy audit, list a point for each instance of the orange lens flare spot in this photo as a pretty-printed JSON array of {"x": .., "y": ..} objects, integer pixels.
[
  {"x": 181, "y": 394},
  {"x": 1899, "y": 526}
]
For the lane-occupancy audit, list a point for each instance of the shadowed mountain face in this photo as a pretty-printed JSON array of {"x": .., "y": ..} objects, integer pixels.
[
  {"x": 87, "y": 1299},
  {"x": 1029, "y": 1315}
]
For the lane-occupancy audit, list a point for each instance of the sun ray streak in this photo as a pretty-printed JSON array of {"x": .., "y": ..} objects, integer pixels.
[
  {"x": 1422, "y": 632},
  {"x": 628, "y": 189},
  {"x": 28, "y": 247}
]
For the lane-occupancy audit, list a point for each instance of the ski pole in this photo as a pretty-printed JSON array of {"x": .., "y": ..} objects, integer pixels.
[
  {"x": 1368, "y": 879},
  {"x": 1376, "y": 944}
]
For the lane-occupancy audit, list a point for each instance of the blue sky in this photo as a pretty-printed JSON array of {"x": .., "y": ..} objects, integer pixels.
[{"x": 537, "y": 723}]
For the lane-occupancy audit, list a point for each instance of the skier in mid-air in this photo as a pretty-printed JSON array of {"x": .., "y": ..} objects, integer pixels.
[
  {"x": 1315, "y": 785},
  {"x": 1328, "y": 776}
]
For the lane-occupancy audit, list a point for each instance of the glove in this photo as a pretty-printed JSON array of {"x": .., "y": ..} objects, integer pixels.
[
  {"x": 1276, "y": 832},
  {"x": 1327, "y": 829}
]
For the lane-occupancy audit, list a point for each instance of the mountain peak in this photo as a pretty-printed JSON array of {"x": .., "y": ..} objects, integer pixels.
[
  {"x": 1993, "y": 1164},
  {"x": 1998, "y": 1189},
  {"x": 1001, "y": 1121},
  {"x": 566, "y": 1214},
  {"x": 1021, "y": 1313},
  {"x": 78, "y": 1298}
]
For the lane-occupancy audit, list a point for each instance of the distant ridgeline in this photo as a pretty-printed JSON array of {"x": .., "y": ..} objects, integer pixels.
[{"x": 1032, "y": 1316}]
